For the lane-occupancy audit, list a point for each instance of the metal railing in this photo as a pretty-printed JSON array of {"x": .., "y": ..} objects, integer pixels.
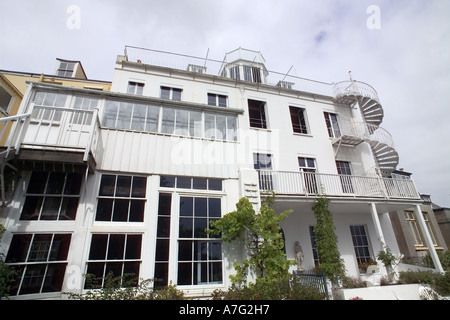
[
  {"x": 55, "y": 128},
  {"x": 312, "y": 184},
  {"x": 366, "y": 131},
  {"x": 357, "y": 88}
]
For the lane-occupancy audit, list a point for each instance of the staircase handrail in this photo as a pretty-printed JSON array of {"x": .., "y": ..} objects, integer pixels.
[{"x": 357, "y": 88}]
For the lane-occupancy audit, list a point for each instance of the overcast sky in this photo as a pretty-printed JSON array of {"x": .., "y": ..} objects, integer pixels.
[{"x": 402, "y": 50}]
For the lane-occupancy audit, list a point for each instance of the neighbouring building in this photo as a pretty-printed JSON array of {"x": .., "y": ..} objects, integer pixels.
[{"x": 127, "y": 180}]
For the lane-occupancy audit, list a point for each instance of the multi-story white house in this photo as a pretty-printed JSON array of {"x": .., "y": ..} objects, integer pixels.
[{"x": 127, "y": 181}]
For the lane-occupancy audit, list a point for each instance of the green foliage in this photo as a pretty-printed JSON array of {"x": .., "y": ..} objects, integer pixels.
[
  {"x": 126, "y": 288},
  {"x": 440, "y": 282},
  {"x": 326, "y": 239},
  {"x": 444, "y": 257},
  {"x": 261, "y": 235},
  {"x": 386, "y": 256},
  {"x": 286, "y": 289},
  {"x": 7, "y": 275}
]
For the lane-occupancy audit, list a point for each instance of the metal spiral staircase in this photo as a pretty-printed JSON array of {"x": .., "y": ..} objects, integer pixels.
[{"x": 359, "y": 93}]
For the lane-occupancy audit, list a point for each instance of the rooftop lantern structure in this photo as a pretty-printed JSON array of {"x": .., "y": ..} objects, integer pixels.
[{"x": 246, "y": 65}]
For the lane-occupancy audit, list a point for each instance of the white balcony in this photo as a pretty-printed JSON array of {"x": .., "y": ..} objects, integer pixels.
[
  {"x": 72, "y": 134},
  {"x": 310, "y": 184}
]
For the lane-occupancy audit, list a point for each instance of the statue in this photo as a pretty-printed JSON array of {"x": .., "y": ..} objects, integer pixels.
[{"x": 299, "y": 255}]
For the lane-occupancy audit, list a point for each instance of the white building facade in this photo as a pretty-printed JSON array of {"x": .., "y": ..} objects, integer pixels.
[{"x": 127, "y": 181}]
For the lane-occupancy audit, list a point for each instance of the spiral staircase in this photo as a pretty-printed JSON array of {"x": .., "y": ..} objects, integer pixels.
[{"x": 354, "y": 93}]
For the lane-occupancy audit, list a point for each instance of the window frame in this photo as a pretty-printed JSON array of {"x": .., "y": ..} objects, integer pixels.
[
  {"x": 361, "y": 244},
  {"x": 135, "y": 88},
  {"x": 42, "y": 197},
  {"x": 51, "y": 258},
  {"x": 108, "y": 203},
  {"x": 171, "y": 93},
  {"x": 257, "y": 111},
  {"x": 299, "y": 124},
  {"x": 332, "y": 124}
]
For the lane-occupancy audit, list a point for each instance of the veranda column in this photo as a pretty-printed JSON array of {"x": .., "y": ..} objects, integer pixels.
[
  {"x": 428, "y": 239},
  {"x": 376, "y": 221}
]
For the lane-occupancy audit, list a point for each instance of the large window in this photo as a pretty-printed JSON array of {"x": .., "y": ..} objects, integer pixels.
[
  {"x": 331, "y": 121},
  {"x": 263, "y": 162},
  {"x": 218, "y": 100},
  {"x": 177, "y": 121},
  {"x": 131, "y": 116},
  {"x": 65, "y": 69},
  {"x": 298, "y": 120},
  {"x": 121, "y": 198},
  {"x": 40, "y": 261},
  {"x": 345, "y": 174},
  {"x": 360, "y": 243},
  {"x": 52, "y": 196},
  {"x": 417, "y": 236},
  {"x": 308, "y": 167},
  {"x": 257, "y": 114},
  {"x": 199, "y": 256},
  {"x": 116, "y": 254},
  {"x": 48, "y": 99}
]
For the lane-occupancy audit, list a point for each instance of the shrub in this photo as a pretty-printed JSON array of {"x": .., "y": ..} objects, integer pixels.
[{"x": 440, "y": 282}]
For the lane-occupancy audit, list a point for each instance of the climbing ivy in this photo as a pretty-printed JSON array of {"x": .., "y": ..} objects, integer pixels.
[
  {"x": 327, "y": 242},
  {"x": 263, "y": 240}
]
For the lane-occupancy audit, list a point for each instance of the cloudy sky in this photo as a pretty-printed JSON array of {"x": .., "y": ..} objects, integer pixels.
[{"x": 402, "y": 50}]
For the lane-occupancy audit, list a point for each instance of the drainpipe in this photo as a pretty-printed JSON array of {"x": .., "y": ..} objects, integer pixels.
[{"x": 428, "y": 239}]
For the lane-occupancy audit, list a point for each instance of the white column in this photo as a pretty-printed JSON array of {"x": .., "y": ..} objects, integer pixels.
[
  {"x": 428, "y": 239},
  {"x": 376, "y": 222}
]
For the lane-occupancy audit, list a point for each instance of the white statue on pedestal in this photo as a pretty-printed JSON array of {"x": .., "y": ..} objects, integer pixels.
[{"x": 299, "y": 255}]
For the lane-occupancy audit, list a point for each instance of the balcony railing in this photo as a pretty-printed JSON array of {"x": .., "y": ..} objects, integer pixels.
[
  {"x": 55, "y": 129},
  {"x": 335, "y": 185}
]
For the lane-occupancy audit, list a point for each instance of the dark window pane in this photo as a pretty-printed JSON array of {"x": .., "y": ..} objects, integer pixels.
[
  {"x": 121, "y": 210},
  {"x": 186, "y": 206},
  {"x": 113, "y": 269},
  {"x": 123, "y": 187},
  {"x": 137, "y": 210},
  {"x": 54, "y": 277},
  {"x": 163, "y": 227},
  {"x": 215, "y": 251},
  {"x": 185, "y": 228},
  {"x": 161, "y": 274},
  {"x": 31, "y": 208},
  {"x": 184, "y": 273},
  {"x": 40, "y": 247},
  {"x": 60, "y": 247},
  {"x": 107, "y": 185},
  {"x": 139, "y": 187},
  {"x": 164, "y": 205},
  {"x": 69, "y": 209},
  {"x": 184, "y": 182},
  {"x": 212, "y": 99},
  {"x": 18, "y": 248},
  {"x": 176, "y": 94},
  {"x": 215, "y": 272},
  {"x": 95, "y": 271},
  {"x": 200, "y": 250},
  {"x": 185, "y": 250},
  {"x": 50, "y": 209},
  {"x": 167, "y": 181},
  {"x": 104, "y": 209},
  {"x": 116, "y": 246},
  {"x": 73, "y": 183},
  {"x": 165, "y": 92},
  {"x": 37, "y": 182},
  {"x": 200, "y": 273},
  {"x": 200, "y": 207},
  {"x": 131, "y": 273},
  {"x": 200, "y": 183},
  {"x": 214, "y": 207},
  {"x": 200, "y": 225},
  {"x": 222, "y": 101},
  {"x": 98, "y": 247},
  {"x": 215, "y": 184},
  {"x": 56, "y": 183},
  {"x": 32, "y": 280},
  {"x": 162, "y": 250},
  {"x": 133, "y": 249}
]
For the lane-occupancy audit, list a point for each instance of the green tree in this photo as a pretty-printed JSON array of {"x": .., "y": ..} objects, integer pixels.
[
  {"x": 7, "y": 275},
  {"x": 262, "y": 238},
  {"x": 326, "y": 239}
]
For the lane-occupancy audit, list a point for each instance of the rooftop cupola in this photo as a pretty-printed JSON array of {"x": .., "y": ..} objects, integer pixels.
[{"x": 246, "y": 65}]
